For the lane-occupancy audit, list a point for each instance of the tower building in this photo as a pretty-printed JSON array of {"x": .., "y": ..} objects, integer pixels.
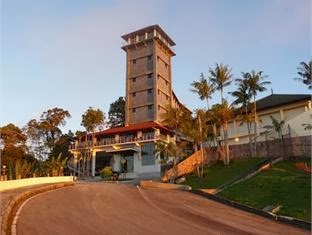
[{"x": 148, "y": 74}]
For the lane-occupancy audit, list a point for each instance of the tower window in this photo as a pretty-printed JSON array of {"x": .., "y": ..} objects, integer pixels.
[
  {"x": 149, "y": 75},
  {"x": 166, "y": 83},
  {"x": 149, "y": 57},
  {"x": 134, "y": 61},
  {"x": 134, "y": 94},
  {"x": 149, "y": 91},
  {"x": 133, "y": 79},
  {"x": 149, "y": 107},
  {"x": 133, "y": 110}
]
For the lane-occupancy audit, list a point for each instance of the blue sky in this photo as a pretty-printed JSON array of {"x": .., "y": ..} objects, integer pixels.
[{"x": 67, "y": 54}]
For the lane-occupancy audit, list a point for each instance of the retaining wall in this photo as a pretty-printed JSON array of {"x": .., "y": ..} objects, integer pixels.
[{"x": 13, "y": 184}]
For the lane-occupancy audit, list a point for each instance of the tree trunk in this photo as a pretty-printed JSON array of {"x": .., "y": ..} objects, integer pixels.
[
  {"x": 226, "y": 145},
  {"x": 255, "y": 128}
]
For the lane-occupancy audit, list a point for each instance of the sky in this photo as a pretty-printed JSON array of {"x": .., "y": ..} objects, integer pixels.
[{"x": 67, "y": 54}]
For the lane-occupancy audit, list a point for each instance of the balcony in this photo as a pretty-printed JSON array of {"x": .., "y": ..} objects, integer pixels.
[{"x": 121, "y": 140}]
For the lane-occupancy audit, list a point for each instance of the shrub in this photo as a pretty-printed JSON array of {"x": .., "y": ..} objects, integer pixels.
[{"x": 106, "y": 172}]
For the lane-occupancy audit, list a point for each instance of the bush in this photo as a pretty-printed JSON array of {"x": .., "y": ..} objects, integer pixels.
[{"x": 106, "y": 172}]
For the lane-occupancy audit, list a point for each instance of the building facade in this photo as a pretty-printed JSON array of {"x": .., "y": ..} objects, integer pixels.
[
  {"x": 131, "y": 149},
  {"x": 294, "y": 109}
]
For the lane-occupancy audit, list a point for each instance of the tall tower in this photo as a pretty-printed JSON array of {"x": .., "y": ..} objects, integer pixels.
[{"x": 148, "y": 74}]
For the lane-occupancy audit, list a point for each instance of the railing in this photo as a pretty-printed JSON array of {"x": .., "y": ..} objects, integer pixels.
[{"x": 120, "y": 140}]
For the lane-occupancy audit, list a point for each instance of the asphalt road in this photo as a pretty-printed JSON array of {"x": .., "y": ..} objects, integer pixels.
[{"x": 101, "y": 208}]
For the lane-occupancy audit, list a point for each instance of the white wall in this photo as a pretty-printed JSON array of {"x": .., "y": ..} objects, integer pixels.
[
  {"x": 13, "y": 184},
  {"x": 294, "y": 115}
]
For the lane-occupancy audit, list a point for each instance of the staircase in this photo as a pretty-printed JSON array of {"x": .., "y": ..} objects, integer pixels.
[{"x": 185, "y": 167}]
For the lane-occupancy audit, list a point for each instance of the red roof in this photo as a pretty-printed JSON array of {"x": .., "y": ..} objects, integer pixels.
[{"x": 130, "y": 128}]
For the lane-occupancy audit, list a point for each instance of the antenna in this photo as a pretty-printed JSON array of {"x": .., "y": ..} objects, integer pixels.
[{"x": 271, "y": 91}]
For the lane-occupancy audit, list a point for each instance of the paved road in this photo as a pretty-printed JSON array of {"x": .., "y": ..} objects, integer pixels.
[{"x": 99, "y": 208}]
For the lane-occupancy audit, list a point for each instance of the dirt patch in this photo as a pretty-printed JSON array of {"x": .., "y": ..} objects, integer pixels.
[{"x": 304, "y": 166}]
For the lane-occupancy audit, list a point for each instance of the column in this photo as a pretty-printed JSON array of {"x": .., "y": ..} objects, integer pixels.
[{"x": 93, "y": 163}]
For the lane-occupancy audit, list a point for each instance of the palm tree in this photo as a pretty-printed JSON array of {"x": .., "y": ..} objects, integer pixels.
[
  {"x": 196, "y": 129},
  {"x": 203, "y": 88},
  {"x": 173, "y": 118},
  {"x": 277, "y": 126},
  {"x": 256, "y": 84},
  {"x": 305, "y": 72},
  {"x": 221, "y": 114},
  {"x": 242, "y": 97},
  {"x": 220, "y": 77},
  {"x": 168, "y": 151}
]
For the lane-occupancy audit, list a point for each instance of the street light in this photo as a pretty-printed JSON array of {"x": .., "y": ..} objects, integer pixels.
[{"x": 1, "y": 148}]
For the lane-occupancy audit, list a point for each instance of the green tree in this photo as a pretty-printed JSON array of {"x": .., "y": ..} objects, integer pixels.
[
  {"x": 278, "y": 126},
  {"x": 220, "y": 115},
  {"x": 93, "y": 119},
  {"x": 203, "y": 88},
  {"x": 116, "y": 113},
  {"x": 256, "y": 83},
  {"x": 45, "y": 132},
  {"x": 169, "y": 151},
  {"x": 14, "y": 141},
  {"x": 173, "y": 118},
  {"x": 242, "y": 97},
  {"x": 304, "y": 72},
  {"x": 220, "y": 77}
]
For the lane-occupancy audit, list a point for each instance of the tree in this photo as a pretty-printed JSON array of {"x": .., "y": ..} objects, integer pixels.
[
  {"x": 45, "y": 132},
  {"x": 220, "y": 77},
  {"x": 195, "y": 127},
  {"x": 304, "y": 72},
  {"x": 169, "y": 151},
  {"x": 14, "y": 141},
  {"x": 203, "y": 88},
  {"x": 256, "y": 83},
  {"x": 277, "y": 126},
  {"x": 221, "y": 114},
  {"x": 173, "y": 119},
  {"x": 93, "y": 119},
  {"x": 243, "y": 97},
  {"x": 116, "y": 113}
]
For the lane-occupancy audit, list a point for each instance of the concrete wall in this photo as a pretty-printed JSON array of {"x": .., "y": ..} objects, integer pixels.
[{"x": 13, "y": 184}]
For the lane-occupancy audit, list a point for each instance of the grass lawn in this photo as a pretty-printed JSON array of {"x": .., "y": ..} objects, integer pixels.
[
  {"x": 283, "y": 184},
  {"x": 218, "y": 174}
]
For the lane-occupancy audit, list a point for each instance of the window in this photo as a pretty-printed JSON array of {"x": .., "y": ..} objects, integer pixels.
[
  {"x": 133, "y": 94},
  {"x": 149, "y": 91},
  {"x": 148, "y": 157},
  {"x": 149, "y": 57},
  {"x": 133, "y": 79},
  {"x": 133, "y": 110},
  {"x": 166, "y": 83},
  {"x": 149, "y": 107},
  {"x": 149, "y": 75},
  {"x": 167, "y": 97},
  {"x": 158, "y": 92},
  {"x": 134, "y": 61}
]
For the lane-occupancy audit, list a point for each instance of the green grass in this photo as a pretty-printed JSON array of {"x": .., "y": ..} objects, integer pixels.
[
  {"x": 218, "y": 174},
  {"x": 283, "y": 184}
]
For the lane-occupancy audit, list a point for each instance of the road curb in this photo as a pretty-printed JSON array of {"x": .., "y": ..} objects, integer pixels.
[
  {"x": 153, "y": 184},
  {"x": 12, "y": 207},
  {"x": 283, "y": 219}
]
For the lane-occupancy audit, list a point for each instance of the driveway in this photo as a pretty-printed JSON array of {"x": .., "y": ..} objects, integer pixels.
[{"x": 102, "y": 208}]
